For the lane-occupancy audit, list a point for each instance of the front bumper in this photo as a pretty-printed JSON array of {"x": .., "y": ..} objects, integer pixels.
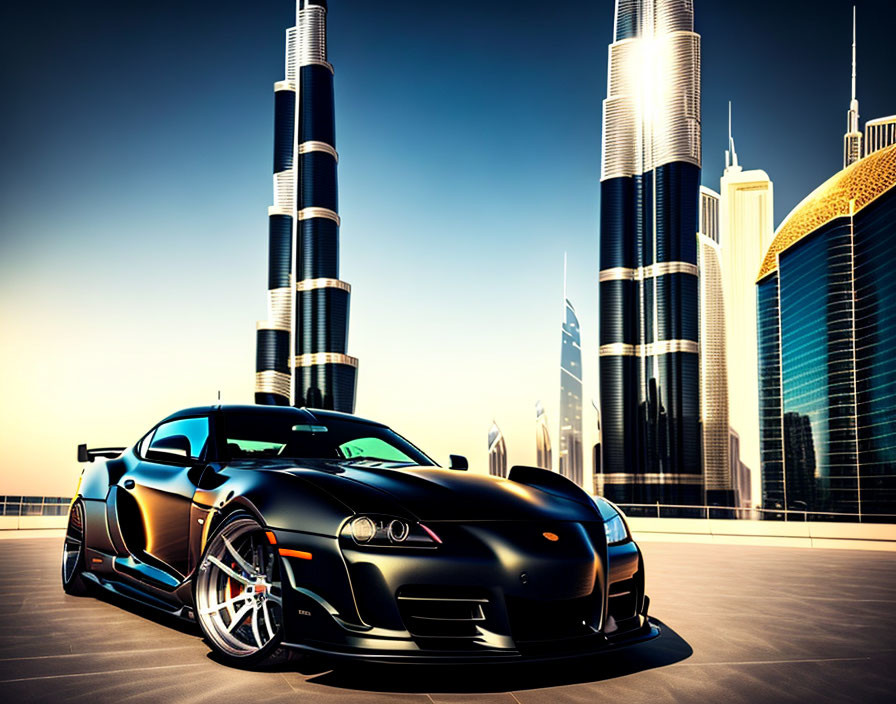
[{"x": 489, "y": 597}]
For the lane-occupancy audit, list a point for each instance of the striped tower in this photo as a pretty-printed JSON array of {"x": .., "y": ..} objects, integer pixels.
[
  {"x": 301, "y": 355},
  {"x": 649, "y": 372}
]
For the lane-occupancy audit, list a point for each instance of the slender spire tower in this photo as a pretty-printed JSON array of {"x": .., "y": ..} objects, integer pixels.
[
  {"x": 739, "y": 221},
  {"x": 730, "y": 153},
  {"x": 301, "y": 355},
  {"x": 852, "y": 140},
  {"x": 497, "y": 452},
  {"x": 542, "y": 438},
  {"x": 570, "y": 456}
]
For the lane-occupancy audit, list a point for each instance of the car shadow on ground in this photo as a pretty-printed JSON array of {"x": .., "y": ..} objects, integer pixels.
[{"x": 667, "y": 649}]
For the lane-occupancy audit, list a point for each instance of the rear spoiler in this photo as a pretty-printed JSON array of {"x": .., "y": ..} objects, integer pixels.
[{"x": 85, "y": 455}]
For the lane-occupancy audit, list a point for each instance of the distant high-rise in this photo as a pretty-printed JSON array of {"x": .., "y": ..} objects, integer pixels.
[
  {"x": 597, "y": 476},
  {"x": 571, "y": 462},
  {"x": 649, "y": 366},
  {"x": 542, "y": 438},
  {"x": 827, "y": 331},
  {"x": 741, "y": 477},
  {"x": 713, "y": 367},
  {"x": 301, "y": 355},
  {"x": 880, "y": 133},
  {"x": 497, "y": 452},
  {"x": 746, "y": 230},
  {"x": 852, "y": 140}
]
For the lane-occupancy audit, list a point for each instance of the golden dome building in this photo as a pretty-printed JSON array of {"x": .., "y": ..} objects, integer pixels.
[{"x": 826, "y": 298}]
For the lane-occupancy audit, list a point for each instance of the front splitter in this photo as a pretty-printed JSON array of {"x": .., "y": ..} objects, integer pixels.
[{"x": 595, "y": 646}]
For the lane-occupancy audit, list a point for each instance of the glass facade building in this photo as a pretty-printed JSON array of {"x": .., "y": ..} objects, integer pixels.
[
  {"x": 650, "y": 176},
  {"x": 571, "y": 464},
  {"x": 301, "y": 348},
  {"x": 827, "y": 310}
]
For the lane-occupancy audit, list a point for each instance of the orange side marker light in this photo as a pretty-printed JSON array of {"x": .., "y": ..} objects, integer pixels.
[
  {"x": 272, "y": 539},
  {"x": 300, "y": 554}
]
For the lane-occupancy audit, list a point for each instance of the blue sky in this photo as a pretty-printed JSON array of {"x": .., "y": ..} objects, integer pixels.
[{"x": 137, "y": 142}]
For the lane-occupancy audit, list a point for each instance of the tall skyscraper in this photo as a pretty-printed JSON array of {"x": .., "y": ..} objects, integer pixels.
[
  {"x": 301, "y": 355},
  {"x": 571, "y": 463},
  {"x": 649, "y": 366},
  {"x": 543, "y": 456},
  {"x": 852, "y": 140},
  {"x": 713, "y": 367},
  {"x": 497, "y": 452},
  {"x": 746, "y": 230},
  {"x": 880, "y": 133},
  {"x": 827, "y": 330}
]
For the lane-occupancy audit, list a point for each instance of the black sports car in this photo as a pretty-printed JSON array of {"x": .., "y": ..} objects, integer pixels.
[{"x": 282, "y": 530}]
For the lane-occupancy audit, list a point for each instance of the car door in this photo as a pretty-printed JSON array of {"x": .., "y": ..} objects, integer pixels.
[{"x": 157, "y": 494}]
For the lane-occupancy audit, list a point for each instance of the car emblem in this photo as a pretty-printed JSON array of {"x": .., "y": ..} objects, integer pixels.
[{"x": 553, "y": 537}]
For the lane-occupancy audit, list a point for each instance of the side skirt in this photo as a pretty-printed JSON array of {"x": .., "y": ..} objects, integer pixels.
[{"x": 135, "y": 594}]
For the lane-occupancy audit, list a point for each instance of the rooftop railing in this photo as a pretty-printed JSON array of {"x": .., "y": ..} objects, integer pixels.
[
  {"x": 762, "y": 514},
  {"x": 58, "y": 506}
]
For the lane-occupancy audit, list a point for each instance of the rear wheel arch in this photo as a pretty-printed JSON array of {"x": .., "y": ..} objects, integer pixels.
[{"x": 73, "y": 551}]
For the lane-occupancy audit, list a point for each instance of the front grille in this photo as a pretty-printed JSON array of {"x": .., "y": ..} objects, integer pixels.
[
  {"x": 444, "y": 618},
  {"x": 535, "y": 620}
]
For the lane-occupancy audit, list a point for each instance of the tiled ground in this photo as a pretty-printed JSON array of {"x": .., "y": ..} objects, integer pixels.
[{"x": 741, "y": 624}]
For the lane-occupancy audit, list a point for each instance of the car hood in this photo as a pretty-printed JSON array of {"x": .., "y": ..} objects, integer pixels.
[{"x": 433, "y": 494}]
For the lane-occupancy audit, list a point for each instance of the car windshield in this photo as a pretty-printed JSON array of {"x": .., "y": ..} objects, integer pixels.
[{"x": 289, "y": 436}]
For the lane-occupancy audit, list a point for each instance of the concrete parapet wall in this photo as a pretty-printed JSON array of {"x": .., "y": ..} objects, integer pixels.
[
  {"x": 32, "y": 522},
  {"x": 853, "y": 536}
]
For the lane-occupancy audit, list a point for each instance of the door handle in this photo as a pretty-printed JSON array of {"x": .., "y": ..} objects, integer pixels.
[{"x": 128, "y": 483}]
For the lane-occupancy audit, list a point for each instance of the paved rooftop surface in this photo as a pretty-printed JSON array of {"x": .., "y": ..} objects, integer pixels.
[{"x": 740, "y": 624}]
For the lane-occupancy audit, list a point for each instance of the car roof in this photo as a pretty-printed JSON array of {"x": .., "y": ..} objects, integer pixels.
[{"x": 257, "y": 408}]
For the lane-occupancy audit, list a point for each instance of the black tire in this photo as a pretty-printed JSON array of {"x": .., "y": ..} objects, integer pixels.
[
  {"x": 243, "y": 629},
  {"x": 73, "y": 581}
]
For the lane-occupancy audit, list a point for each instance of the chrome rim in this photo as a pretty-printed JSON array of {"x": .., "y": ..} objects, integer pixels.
[
  {"x": 74, "y": 543},
  {"x": 238, "y": 590}
]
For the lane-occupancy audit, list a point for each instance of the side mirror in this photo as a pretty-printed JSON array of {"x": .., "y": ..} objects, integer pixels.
[
  {"x": 175, "y": 448},
  {"x": 458, "y": 462},
  {"x": 83, "y": 456},
  {"x": 176, "y": 444}
]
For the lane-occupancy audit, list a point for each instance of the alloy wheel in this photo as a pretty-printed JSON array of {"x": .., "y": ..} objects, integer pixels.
[{"x": 238, "y": 590}]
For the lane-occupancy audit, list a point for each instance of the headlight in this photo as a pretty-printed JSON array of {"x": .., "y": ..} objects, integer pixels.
[
  {"x": 363, "y": 529},
  {"x": 386, "y": 531},
  {"x": 616, "y": 530}
]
